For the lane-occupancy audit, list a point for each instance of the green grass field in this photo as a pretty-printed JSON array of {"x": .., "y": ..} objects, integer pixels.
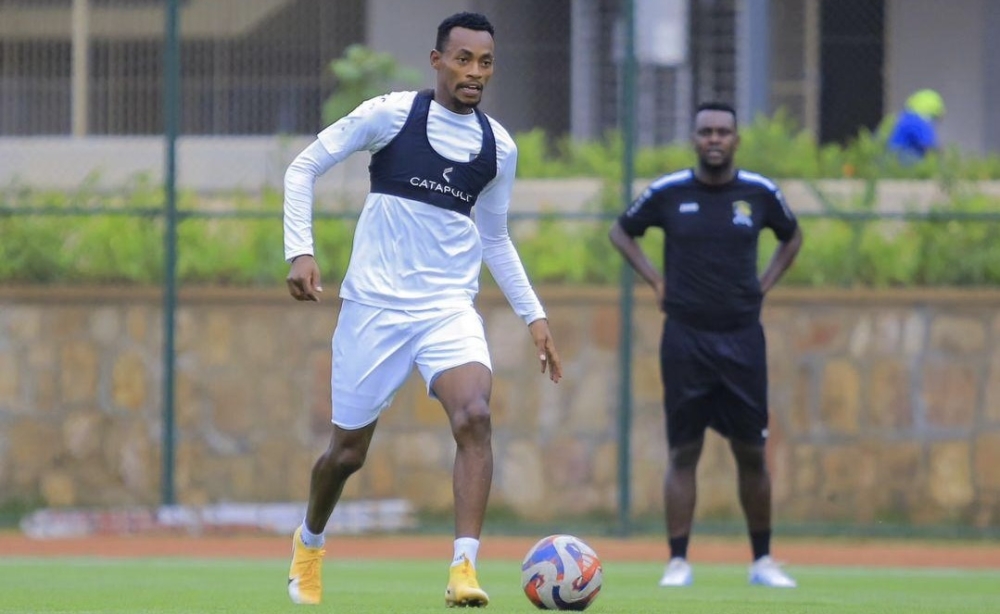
[{"x": 154, "y": 586}]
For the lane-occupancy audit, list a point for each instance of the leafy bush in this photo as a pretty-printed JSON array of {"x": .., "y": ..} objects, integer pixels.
[
  {"x": 88, "y": 237},
  {"x": 363, "y": 73},
  {"x": 773, "y": 146}
]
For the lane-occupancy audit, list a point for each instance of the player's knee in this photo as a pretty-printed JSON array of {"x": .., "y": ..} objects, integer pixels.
[
  {"x": 345, "y": 460},
  {"x": 750, "y": 458},
  {"x": 685, "y": 457},
  {"x": 471, "y": 420}
]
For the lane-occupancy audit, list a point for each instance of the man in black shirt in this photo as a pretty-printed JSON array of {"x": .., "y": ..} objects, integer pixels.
[{"x": 712, "y": 353}]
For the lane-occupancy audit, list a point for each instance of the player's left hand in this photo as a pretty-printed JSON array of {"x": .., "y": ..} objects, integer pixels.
[{"x": 546, "y": 347}]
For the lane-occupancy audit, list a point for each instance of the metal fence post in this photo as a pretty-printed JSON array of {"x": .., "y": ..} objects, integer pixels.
[
  {"x": 627, "y": 277},
  {"x": 171, "y": 113}
]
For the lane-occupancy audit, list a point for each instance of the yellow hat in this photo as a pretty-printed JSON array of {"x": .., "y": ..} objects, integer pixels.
[{"x": 926, "y": 103}]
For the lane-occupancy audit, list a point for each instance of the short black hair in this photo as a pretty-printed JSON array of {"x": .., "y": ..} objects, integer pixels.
[
  {"x": 469, "y": 21},
  {"x": 714, "y": 105}
]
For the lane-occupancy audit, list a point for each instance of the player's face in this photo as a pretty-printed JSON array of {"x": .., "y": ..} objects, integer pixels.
[
  {"x": 715, "y": 139},
  {"x": 463, "y": 69}
]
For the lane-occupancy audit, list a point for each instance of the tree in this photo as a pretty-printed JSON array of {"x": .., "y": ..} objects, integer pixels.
[{"x": 363, "y": 73}]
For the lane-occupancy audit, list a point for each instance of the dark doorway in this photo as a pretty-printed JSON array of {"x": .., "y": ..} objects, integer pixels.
[{"x": 852, "y": 51}]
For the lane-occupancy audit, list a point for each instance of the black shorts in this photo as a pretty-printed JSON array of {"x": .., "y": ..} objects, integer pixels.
[{"x": 714, "y": 379}]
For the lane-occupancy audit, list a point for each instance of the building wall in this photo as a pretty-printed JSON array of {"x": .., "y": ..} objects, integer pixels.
[
  {"x": 885, "y": 406},
  {"x": 946, "y": 50}
]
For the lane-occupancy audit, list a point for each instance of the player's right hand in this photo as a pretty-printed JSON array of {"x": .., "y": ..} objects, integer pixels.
[{"x": 303, "y": 279}]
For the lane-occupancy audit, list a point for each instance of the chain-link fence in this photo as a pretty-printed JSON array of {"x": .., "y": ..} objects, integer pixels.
[{"x": 260, "y": 67}]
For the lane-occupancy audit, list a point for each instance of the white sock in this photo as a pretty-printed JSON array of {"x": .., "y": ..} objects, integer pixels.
[
  {"x": 310, "y": 539},
  {"x": 467, "y": 547}
]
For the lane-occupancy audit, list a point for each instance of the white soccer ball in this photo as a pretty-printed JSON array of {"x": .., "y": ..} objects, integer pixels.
[{"x": 561, "y": 572}]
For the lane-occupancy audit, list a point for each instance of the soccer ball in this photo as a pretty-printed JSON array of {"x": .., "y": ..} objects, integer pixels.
[{"x": 561, "y": 572}]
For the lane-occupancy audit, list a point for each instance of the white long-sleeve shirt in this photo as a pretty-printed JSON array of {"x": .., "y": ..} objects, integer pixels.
[{"x": 409, "y": 255}]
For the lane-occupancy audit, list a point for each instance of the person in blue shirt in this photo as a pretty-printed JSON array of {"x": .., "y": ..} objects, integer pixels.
[{"x": 915, "y": 131}]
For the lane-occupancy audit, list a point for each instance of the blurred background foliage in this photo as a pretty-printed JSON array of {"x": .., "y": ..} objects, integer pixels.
[{"x": 94, "y": 237}]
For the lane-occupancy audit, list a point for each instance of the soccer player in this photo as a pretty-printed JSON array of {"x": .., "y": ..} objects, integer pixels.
[
  {"x": 409, "y": 288},
  {"x": 712, "y": 352}
]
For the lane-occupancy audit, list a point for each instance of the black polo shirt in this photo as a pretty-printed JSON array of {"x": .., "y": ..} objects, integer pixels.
[{"x": 710, "y": 247}]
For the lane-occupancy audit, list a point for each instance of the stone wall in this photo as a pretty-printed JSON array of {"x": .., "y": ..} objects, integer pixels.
[{"x": 885, "y": 405}]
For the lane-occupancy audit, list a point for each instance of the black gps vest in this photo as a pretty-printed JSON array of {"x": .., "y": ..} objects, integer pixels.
[{"x": 409, "y": 167}]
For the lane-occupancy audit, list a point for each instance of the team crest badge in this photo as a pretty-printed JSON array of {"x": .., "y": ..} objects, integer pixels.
[{"x": 741, "y": 213}]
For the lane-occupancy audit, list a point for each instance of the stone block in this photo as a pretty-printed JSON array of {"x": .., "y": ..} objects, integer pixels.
[
  {"x": 840, "y": 405},
  {"x": 860, "y": 338},
  {"x": 991, "y": 401},
  {"x": 950, "y": 477},
  {"x": 81, "y": 433},
  {"x": 647, "y": 385},
  {"x": 522, "y": 484},
  {"x": 606, "y": 464},
  {"x": 820, "y": 334},
  {"x": 137, "y": 323},
  {"x": 900, "y": 465},
  {"x": 986, "y": 455},
  {"x": 68, "y": 323},
  {"x": 423, "y": 449},
  {"x": 189, "y": 400},
  {"x": 43, "y": 392},
  {"x": 428, "y": 490},
  {"x": 566, "y": 462},
  {"x": 78, "y": 372},
  {"x": 779, "y": 461},
  {"x": 647, "y": 326},
  {"x": 379, "y": 470},
  {"x": 605, "y": 327},
  {"x": 232, "y": 399},
  {"x": 887, "y": 332},
  {"x": 847, "y": 471},
  {"x": 957, "y": 335},
  {"x": 128, "y": 381},
  {"x": 950, "y": 392},
  {"x": 509, "y": 340},
  {"x": 135, "y": 467},
  {"x": 31, "y": 449},
  {"x": 501, "y": 412},
  {"x": 105, "y": 325},
  {"x": 58, "y": 489},
  {"x": 890, "y": 404},
  {"x": 800, "y": 420},
  {"x": 10, "y": 383},
  {"x": 317, "y": 390},
  {"x": 39, "y": 357},
  {"x": 280, "y": 400},
  {"x": 256, "y": 341},
  {"x": 22, "y": 324},
  {"x": 426, "y": 411},
  {"x": 587, "y": 409},
  {"x": 914, "y": 334},
  {"x": 805, "y": 470},
  {"x": 217, "y": 338}
]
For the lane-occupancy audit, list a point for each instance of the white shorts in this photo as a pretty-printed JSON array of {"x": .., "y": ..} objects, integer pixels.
[{"x": 374, "y": 351}]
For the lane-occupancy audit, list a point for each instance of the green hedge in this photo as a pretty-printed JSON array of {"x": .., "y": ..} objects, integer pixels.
[
  {"x": 122, "y": 242},
  {"x": 773, "y": 146},
  {"x": 129, "y": 249}
]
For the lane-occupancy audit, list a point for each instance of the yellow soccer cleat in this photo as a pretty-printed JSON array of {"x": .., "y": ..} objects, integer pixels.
[
  {"x": 305, "y": 578},
  {"x": 463, "y": 587}
]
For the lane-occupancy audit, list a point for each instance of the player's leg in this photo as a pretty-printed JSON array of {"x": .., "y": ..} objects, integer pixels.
[
  {"x": 686, "y": 386},
  {"x": 344, "y": 456},
  {"x": 454, "y": 360},
  {"x": 371, "y": 360},
  {"x": 679, "y": 496},
  {"x": 464, "y": 391},
  {"x": 744, "y": 420}
]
